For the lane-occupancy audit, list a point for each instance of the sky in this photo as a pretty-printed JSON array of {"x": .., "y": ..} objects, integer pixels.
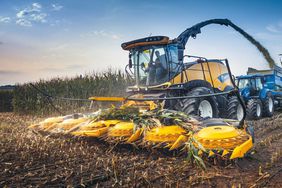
[{"x": 42, "y": 39}]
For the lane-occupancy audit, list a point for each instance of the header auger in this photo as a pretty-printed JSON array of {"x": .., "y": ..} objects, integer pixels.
[{"x": 173, "y": 104}]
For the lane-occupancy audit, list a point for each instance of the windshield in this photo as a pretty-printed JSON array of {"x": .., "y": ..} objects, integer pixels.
[
  {"x": 243, "y": 83},
  {"x": 150, "y": 65}
]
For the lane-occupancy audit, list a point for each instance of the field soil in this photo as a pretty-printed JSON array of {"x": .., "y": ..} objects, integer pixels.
[{"x": 29, "y": 159}]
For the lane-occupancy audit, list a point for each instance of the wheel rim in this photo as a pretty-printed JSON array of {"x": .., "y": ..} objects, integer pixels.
[
  {"x": 258, "y": 110},
  {"x": 205, "y": 109},
  {"x": 270, "y": 105},
  {"x": 240, "y": 112}
]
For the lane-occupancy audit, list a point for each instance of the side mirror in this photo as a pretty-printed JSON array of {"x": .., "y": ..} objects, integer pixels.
[{"x": 130, "y": 61}]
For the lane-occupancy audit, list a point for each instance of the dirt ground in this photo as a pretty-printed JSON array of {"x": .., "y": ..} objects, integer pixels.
[{"x": 34, "y": 160}]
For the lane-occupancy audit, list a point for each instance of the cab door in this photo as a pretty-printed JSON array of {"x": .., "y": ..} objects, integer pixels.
[
  {"x": 174, "y": 65},
  {"x": 259, "y": 85}
]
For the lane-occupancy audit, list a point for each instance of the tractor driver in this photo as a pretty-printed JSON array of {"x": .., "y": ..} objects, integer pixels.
[{"x": 161, "y": 67}]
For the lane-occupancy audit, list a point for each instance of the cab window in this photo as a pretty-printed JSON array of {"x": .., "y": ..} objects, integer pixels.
[
  {"x": 173, "y": 60},
  {"x": 259, "y": 83}
]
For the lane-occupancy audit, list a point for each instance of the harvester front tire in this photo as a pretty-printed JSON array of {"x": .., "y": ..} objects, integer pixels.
[
  {"x": 193, "y": 106},
  {"x": 254, "y": 109},
  {"x": 268, "y": 106},
  {"x": 234, "y": 108}
]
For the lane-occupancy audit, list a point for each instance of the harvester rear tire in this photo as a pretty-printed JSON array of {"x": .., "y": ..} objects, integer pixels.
[
  {"x": 254, "y": 109},
  {"x": 268, "y": 106},
  {"x": 222, "y": 101},
  {"x": 191, "y": 106},
  {"x": 234, "y": 108}
]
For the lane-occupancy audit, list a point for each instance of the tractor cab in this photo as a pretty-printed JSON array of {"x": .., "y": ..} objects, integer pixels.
[
  {"x": 152, "y": 60},
  {"x": 250, "y": 85},
  {"x": 157, "y": 62}
]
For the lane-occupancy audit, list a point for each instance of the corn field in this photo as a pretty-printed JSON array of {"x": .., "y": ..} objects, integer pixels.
[
  {"x": 28, "y": 100},
  {"x": 6, "y": 97},
  {"x": 30, "y": 159}
]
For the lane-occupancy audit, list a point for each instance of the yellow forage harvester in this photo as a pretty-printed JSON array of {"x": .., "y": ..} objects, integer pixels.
[{"x": 173, "y": 103}]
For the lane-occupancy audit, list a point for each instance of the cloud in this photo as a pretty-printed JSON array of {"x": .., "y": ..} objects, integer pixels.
[
  {"x": 36, "y": 6},
  {"x": 74, "y": 66},
  {"x": 59, "y": 22},
  {"x": 106, "y": 34},
  {"x": 101, "y": 33},
  {"x": 7, "y": 72},
  {"x": 59, "y": 47},
  {"x": 34, "y": 13},
  {"x": 33, "y": 9},
  {"x": 30, "y": 14},
  {"x": 24, "y": 22},
  {"x": 269, "y": 36},
  {"x": 56, "y": 7},
  {"x": 273, "y": 29},
  {"x": 274, "y": 32},
  {"x": 61, "y": 68},
  {"x": 39, "y": 17},
  {"x": 114, "y": 36},
  {"x": 4, "y": 19},
  {"x": 51, "y": 69}
]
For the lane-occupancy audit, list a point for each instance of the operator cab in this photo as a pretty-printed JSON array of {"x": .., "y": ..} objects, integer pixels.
[
  {"x": 154, "y": 60},
  {"x": 253, "y": 83}
]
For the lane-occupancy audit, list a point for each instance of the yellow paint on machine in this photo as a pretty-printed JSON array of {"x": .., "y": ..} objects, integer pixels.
[
  {"x": 70, "y": 123},
  {"x": 195, "y": 72},
  {"x": 135, "y": 136},
  {"x": 224, "y": 137},
  {"x": 95, "y": 129},
  {"x": 91, "y": 133},
  {"x": 241, "y": 150},
  {"x": 122, "y": 129},
  {"x": 164, "y": 134}
]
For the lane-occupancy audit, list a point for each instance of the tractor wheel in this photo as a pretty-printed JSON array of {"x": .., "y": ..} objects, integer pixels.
[
  {"x": 254, "y": 109},
  {"x": 268, "y": 106},
  {"x": 234, "y": 108},
  {"x": 204, "y": 107}
]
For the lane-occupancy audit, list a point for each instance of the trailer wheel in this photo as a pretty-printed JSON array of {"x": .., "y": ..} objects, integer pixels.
[
  {"x": 204, "y": 107},
  {"x": 254, "y": 109},
  {"x": 234, "y": 108},
  {"x": 268, "y": 106}
]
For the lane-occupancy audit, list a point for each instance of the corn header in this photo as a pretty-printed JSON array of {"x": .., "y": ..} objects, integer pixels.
[{"x": 158, "y": 128}]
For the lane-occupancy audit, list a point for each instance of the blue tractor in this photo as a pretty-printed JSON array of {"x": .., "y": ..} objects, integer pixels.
[{"x": 261, "y": 91}]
